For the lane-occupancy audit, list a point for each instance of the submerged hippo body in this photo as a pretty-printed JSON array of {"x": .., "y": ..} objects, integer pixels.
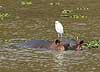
[
  {"x": 67, "y": 43},
  {"x": 36, "y": 44}
]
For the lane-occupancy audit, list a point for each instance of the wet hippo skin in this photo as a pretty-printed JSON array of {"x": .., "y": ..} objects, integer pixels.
[
  {"x": 72, "y": 44},
  {"x": 36, "y": 44},
  {"x": 67, "y": 43}
]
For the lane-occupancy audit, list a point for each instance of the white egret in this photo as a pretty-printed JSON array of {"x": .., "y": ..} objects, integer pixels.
[{"x": 59, "y": 28}]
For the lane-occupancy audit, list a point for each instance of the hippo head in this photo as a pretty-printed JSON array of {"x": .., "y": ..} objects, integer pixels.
[
  {"x": 57, "y": 45},
  {"x": 79, "y": 45},
  {"x": 71, "y": 44}
]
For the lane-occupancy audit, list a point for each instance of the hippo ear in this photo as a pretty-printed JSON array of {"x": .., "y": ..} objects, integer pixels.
[
  {"x": 57, "y": 41},
  {"x": 81, "y": 42}
]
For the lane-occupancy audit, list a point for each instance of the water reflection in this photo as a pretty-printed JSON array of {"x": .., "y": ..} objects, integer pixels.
[{"x": 59, "y": 60}]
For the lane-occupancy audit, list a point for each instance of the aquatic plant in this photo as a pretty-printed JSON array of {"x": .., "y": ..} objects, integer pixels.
[
  {"x": 26, "y": 3},
  {"x": 82, "y": 8},
  {"x": 66, "y": 11},
  {"x": 55, "y": 3},
  {"x": 75, "y": 13},
  {"x": 13, "y": 41},
  {"x": 3, "y": 15},
  {"x": 93, "y": 44}
]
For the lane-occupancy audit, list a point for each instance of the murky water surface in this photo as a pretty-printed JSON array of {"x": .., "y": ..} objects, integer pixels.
[{"x": 22, "y": 20}]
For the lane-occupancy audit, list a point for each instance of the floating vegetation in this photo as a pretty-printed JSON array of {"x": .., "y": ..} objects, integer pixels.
[
  {"x": 75, "y": 14},
  {"x": 66, "y": 11},
  {"x": 26, "y": 3},
  {"x": 93, "y": 44},
  {"x": 78, "y": 16},
  {"x": 3, "y": 15},
  {"x": 55, "y": 4},
  {"x": 82, "y": 8},
  {"x": 14, "y": 41}
]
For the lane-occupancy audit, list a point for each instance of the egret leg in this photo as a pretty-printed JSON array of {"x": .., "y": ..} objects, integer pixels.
[
  {"x": 58, "y": 36},
  {"x": 61, "y": 35}
]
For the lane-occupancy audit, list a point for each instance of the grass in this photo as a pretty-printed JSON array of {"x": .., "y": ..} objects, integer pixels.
[{"x": 93, "y": 44}]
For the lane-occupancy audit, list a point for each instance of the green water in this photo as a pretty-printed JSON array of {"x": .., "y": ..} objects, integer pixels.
[{"x": 22, "y": 20}]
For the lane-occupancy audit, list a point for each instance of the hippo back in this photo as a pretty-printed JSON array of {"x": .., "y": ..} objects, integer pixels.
[{"x": 35, "y": 44}]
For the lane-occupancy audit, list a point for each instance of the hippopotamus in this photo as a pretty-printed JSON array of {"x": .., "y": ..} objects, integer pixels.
[
  {"x": 72, "y": 44},
  {"x": 65, "y": 44},
  {"x": 42, "y": 44}
]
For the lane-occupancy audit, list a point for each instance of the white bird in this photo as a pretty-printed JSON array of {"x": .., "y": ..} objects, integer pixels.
[{"x": 59, "y": 28}]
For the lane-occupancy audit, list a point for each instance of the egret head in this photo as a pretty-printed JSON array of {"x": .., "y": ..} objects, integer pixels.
[{"x": 56, "y": 22}]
